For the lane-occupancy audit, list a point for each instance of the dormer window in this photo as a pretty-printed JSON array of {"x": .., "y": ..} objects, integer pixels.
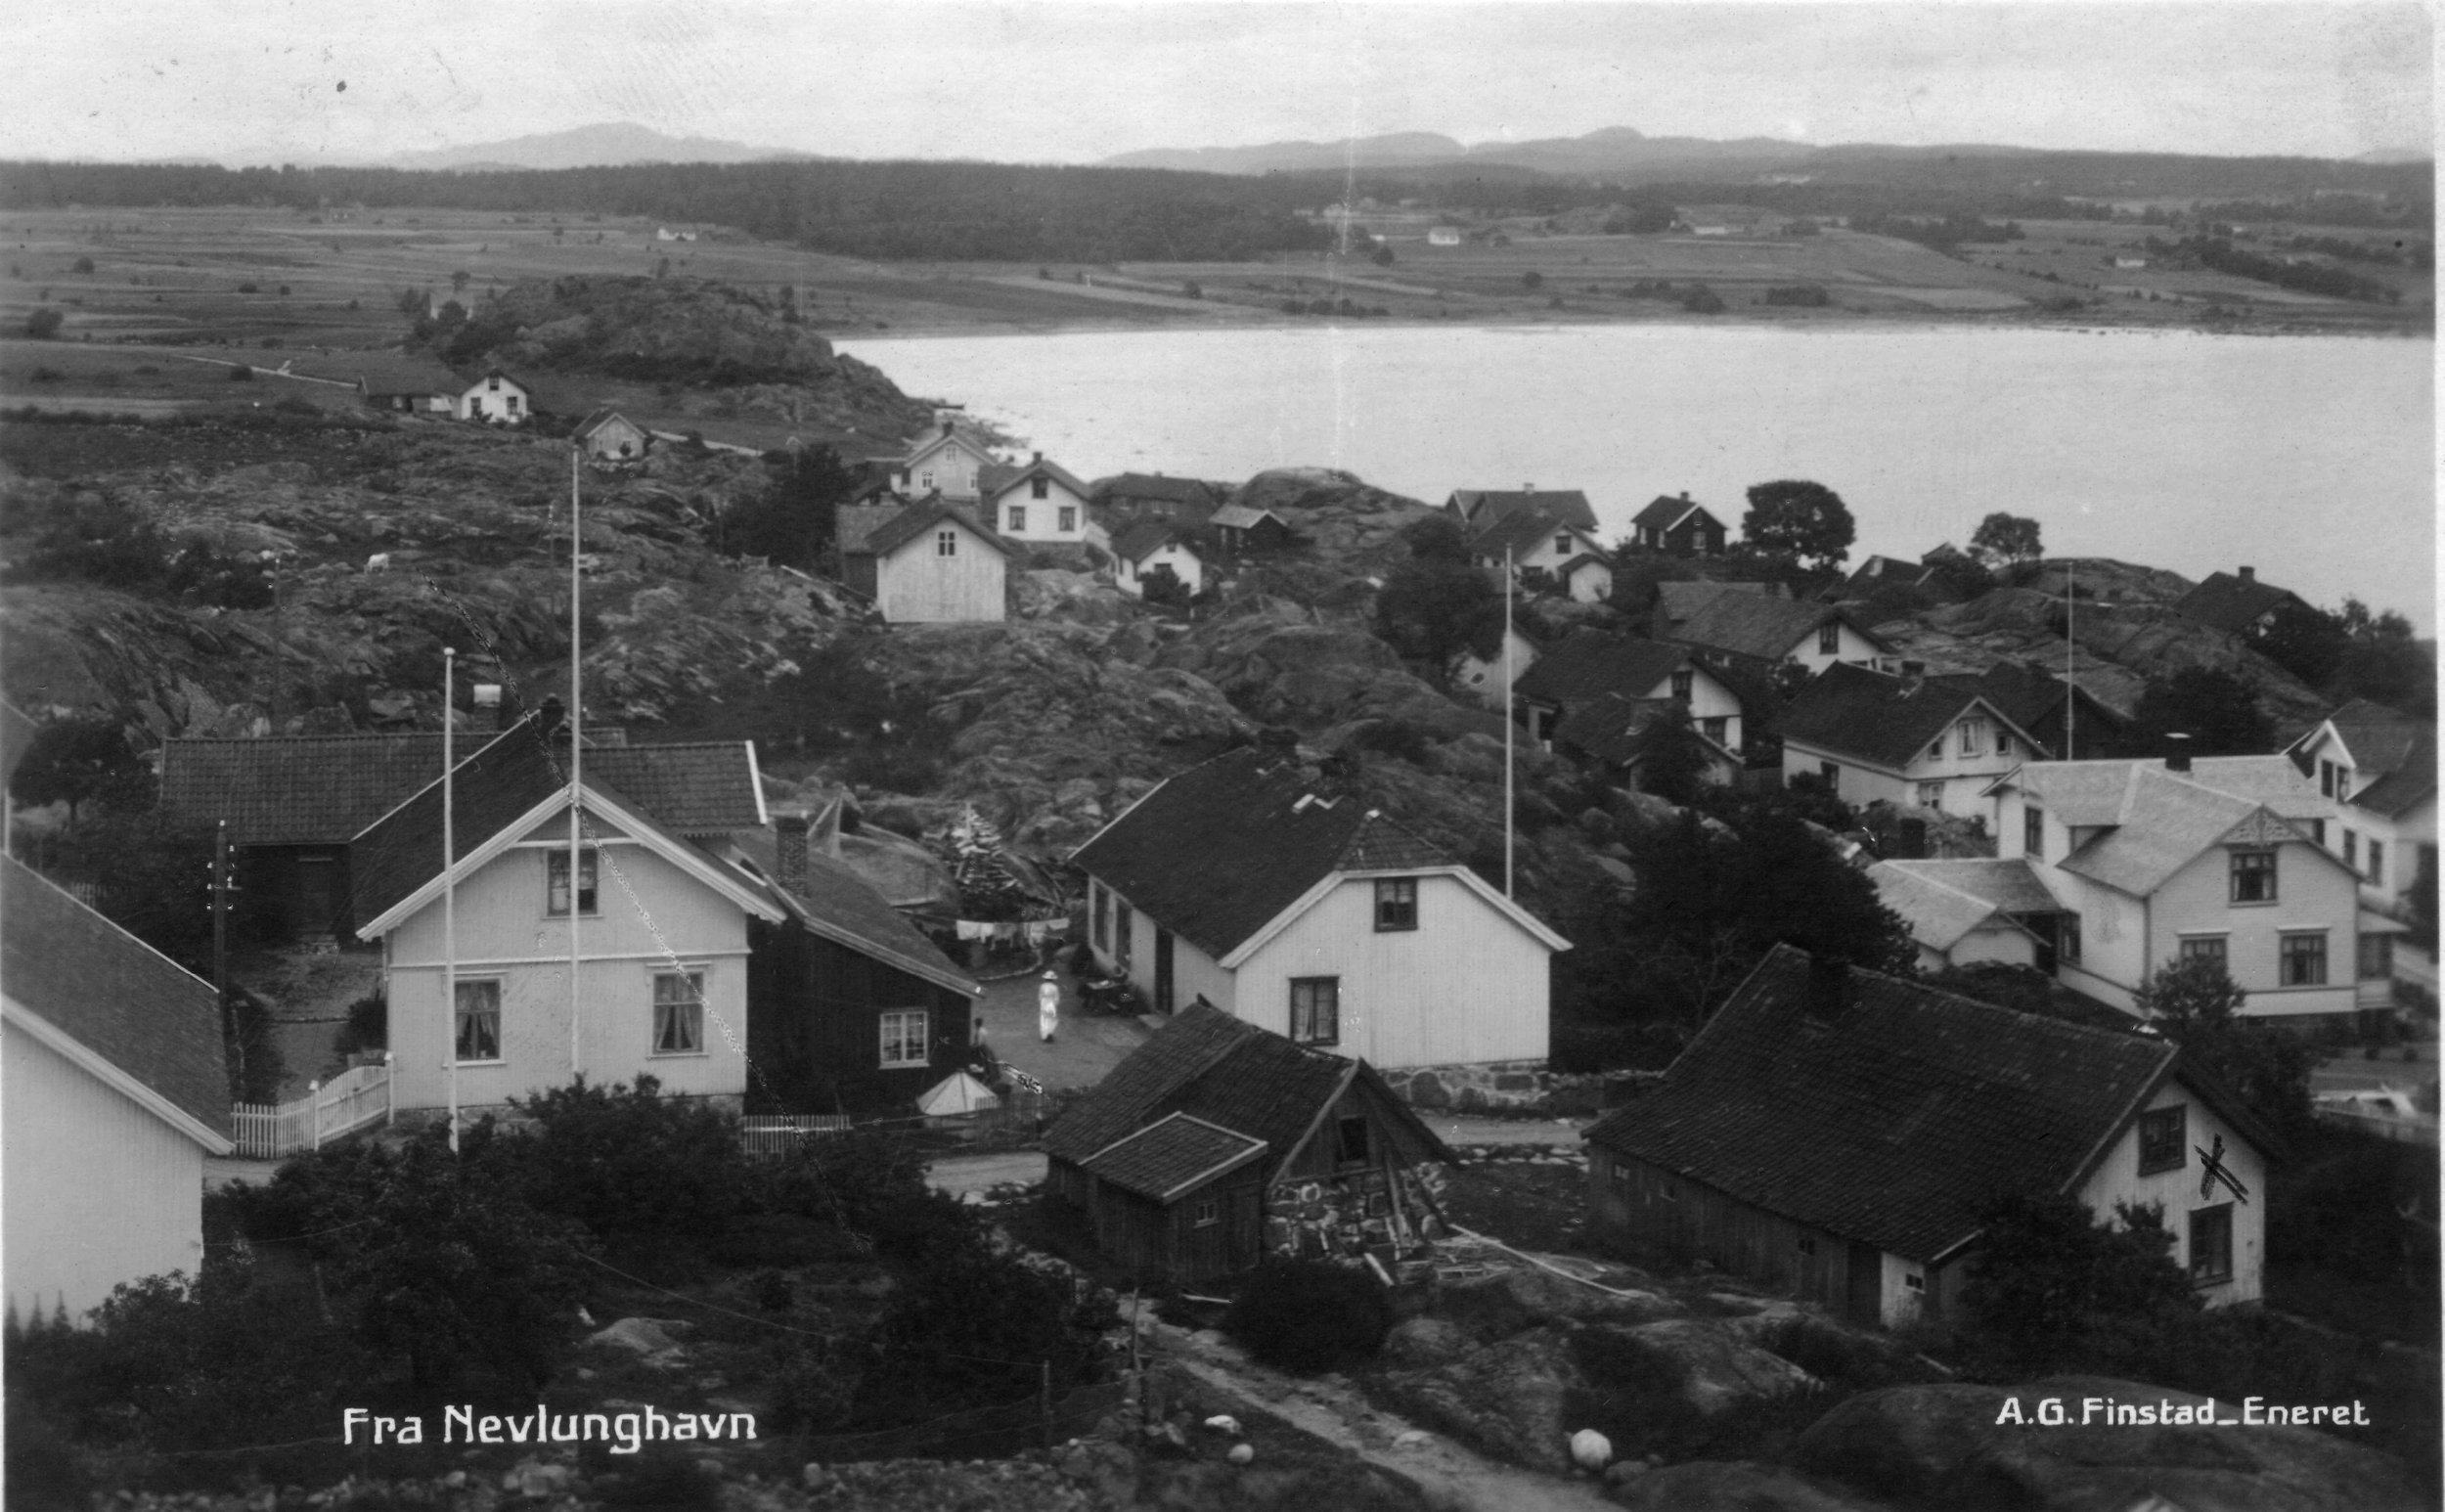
[{"x": 1973, "y": 738}]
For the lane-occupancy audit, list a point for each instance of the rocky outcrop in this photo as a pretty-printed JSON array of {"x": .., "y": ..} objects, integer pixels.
[
  {"x": 1327, "y": 678},
  {"x": 1513, "y": 1300},
  {"x": 1942, "y": 1446},
  {"x": 1343, "y": 520},
  {"x": 1715, "y": 1369},
  {"x": 1724, "y": 1486},
  {"x": 1508, "y": 1398}
]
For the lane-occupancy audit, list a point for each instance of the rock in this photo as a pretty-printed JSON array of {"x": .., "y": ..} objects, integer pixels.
[
  {"x": 1942, "y": 1446},
  {"x": 1500, "y": 1305},
  {"x": 1506, "y": 1399},
  {"x": 1717, "y": 1368},
  {"x": 1106, "y": 1468},
  {"x": 1589, "y": 1450},
  {"x": 647, "y": 1338},
  {"x": 1241, "y": 1453},
  {"x": 1223, "y": 1422},
  {"x": 1413, "y": 1438},
  {"x": 1422, "y": 1343},
  {"x": 1717, "y": 1486}
]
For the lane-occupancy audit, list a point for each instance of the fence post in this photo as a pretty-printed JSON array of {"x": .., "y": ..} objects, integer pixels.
[
  {"x": 313, "y": 1112},
  {"x": 391, "y": 1090}
]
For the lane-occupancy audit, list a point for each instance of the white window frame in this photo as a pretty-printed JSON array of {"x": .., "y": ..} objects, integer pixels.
[
  {"x": 588, "y": 881},
  {"x": 691, "y": 1025},
  {"x": 946, "y": 543},
  {"x": 458, "y": 1012},
  {"x": 1972, "y": 736},
  {"x": 1018, "y": 517},
  {"x": 892, "y": 1030}
]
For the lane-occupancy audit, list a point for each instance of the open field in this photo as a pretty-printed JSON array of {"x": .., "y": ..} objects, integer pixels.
[{"x": 266, "y": 285}]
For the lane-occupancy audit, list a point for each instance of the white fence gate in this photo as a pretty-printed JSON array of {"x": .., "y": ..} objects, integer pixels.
[
  {"x": 778, "y": 1134},
  {"x": 330, "y": 1109}
]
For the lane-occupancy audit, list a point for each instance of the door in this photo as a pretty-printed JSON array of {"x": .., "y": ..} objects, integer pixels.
[
  {"x": 1162, "y": 971},
  {"x": 1865, "y": 1297}
]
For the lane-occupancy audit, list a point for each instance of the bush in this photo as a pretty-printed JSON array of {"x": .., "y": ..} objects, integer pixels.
[
  {"x": 1308, "y": 1315},
  {"x": 367, "y": 1027},
  {"x": 241, "y": 374},
  {"x": 43, "y": 324},
  {"x": 844, "y": 1179},
  {"x": 626, "y": 1162}
]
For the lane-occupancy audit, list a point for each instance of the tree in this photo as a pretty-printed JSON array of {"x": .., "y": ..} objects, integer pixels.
[
  {"x": 794, "y": 522},
  {"x": 1804, "y": 520},
  {"x": 459, "y": 281},
  {"x": 2385, "y": 660},
  {"x": 2198, "y": 1007},
  {"x": 1382, "y": 256},
  {"x": 2054, "y": 1289},
  {"x": 1431, "y": 602},
  {"x": 2006, "y": 540},
  {"x": 1702, "y": 301},
  {"x": 2216, "y": 710},
  {"x": 44, "y": 324},
  {"x": 74, "y": 761},
  {"x": 1673, "y": 757},
  {"x": 1532, "y": 279}
]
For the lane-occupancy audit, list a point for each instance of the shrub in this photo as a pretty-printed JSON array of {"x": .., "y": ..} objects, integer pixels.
[
  {"x": 625, "y": 1161},
  {"x": 43, "y": 324},
  {"x": 1308, "y": 1315},
  {"x": 367, "y": 1027},
  {"x": 241, "y": 374},
  {"x": 844, "y": 1179}
]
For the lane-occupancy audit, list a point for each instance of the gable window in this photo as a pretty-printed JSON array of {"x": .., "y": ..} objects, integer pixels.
[
  {"x": 2067, "y": 937},
  {"x": 678, "y": 1013},
  {"x": 493, "y": 383},
  {"x": 1316, "y": 1010},
  {"x": 1207, "y": 1212},
  {"x": 2033, "y": 834},
  {"x": 478, "y": 1014},
  {"x": 1353, "y": 1132},
  {"x": 1682, "y": 683},
  {"x": 2326, "y": 779},
  {"x": 1124, "y": 925},
  {"x": 1018, "y": 518},
  {"x": 1974, "y": 737},
  {"x": 556, "y": 882},
  {"x": 1828, "y": 639},
  {"x": 903, "y": 1037},
  {"x": 2377, "y": 957},
  {"x": 2253, "y": 876},
  {"x": 1039, "y": 488},
  {"x": 2203, "y": 947},
  {"x": 2303, "y": 957},
  {"x": 1067, "y": 517},
  {"x": 925, "y": 479},
  {"x": 1561, "y": 544},
  {"x": 946, "y": 543},
  {"x": 2211, "y": 1245},
  {"x": 2164, "y": 1139},
  {"x": 2377, "y": 863},
  {"x": 1395, "y": 904}
]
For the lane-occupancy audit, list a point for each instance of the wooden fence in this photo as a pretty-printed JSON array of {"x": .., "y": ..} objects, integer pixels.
[
  {"x": 347, "y": 1102},
  {"x": 778, "y": 1134}
]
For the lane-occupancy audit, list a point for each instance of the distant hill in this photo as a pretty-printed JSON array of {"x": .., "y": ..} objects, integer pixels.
[
  {"x": 610, "y": 144},
  {"x": 1613, "y": 150}
]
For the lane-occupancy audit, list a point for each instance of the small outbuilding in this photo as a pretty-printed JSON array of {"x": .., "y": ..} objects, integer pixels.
[{"x": 610, "y": 438}]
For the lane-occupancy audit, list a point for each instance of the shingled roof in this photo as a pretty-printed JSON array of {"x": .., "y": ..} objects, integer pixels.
[
  {"x": 1898, "y": 1116},
  {"x": 835, "y": 899},
  {"x": 898, "y": 527},
  {"x": 1232, "y": 1074},
  {"x": 1221, "y": 850},
  {"x": 1677, "y": 602},
  {"x": 1481, "y": 507},
  {"x": 1942, "y": 901},
  {"x": 2408, "y": 785},
  {"x": 2163, "y": 823},
  {"x": 1170, "y": 1156},
  {"x": 2083, "y": 793},
  {"x": 1591, "y": 663},
  {"x": 1856, "y": 711},
  {"x": 1664, "y": 510},
  {"x": 1758, "y": 626},
  {"x": 2231, "y": 603},
  {"x": 296, "y": 789},
  {"x": 1613, "y": 729},
  {"x": 998, "y": 478},
  {"x": 1522, "y": 531},
  {"x": 1141, "y": 540},
  {"x": 115, "y": 996}
]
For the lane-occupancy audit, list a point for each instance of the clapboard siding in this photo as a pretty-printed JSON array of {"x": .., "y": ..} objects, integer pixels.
[
  {"x": 918, "y": 585},
  {"x": 100, "y": 1190},
  {"x": 815, "y": 1026}
]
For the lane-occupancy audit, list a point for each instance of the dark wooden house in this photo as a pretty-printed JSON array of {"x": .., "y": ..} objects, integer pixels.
[
  {"x": 1677, "y": 527},
  {"x": 1218, "y": 1144},
  {"x": 850, "y": 1008}
]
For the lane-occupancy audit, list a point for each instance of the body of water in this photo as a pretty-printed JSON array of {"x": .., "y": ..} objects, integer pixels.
[{"x": 2309, "y": 457}]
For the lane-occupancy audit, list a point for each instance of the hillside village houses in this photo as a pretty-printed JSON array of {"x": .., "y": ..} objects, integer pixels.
[
  {"x": 1837, "y": 1133},
  {"x": 947, "y": 461},
  {"x": 1538, "y": 548},
  {"x": 1156, "y": 545},
  {"x": 116, "y": 1089},
  {"x": 1591, "y": 665},
  {"x": 1677, "y": 527},
  {"x": 1908, "y": 740},
  {"x": 609, "y": 438},
  {"x": 1040, "y": 504},
  {"x": 1765, "y": 631},
  {"x": 1496, "y": 656},
  {"x": 1279, "y": 894}
]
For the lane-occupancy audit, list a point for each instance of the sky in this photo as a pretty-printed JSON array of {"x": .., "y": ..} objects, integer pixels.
[{"x": 1050, "y": 81}]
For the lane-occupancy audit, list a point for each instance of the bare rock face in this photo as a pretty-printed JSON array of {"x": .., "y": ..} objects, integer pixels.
[
  {"x": 1727, "y": 1486},
  {"x": 1510, "y": 1302},
  {"x": 1717, "y": 1368},
  {"x": 1508, "y": 1399},
  {"x": 1941, "y": 1445},
  {"x": 1077, "y": 597},
  {"x": 1424, "y": 1343}
]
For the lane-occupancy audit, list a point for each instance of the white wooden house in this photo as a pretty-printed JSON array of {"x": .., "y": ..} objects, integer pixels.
[
  {"x": 924, "y": 563},
  {"x": 1286, "y": 898},
  {"x": 1040, "y": 504},
  {"x": 497, "y": 399},
  {"x": 611, "y": 439},
  {"x": 2379, "y": 767},
  {"x": 1930, "y": 743},
  {"x": 1150, "y": 544},
  {"x": 1767, "y": 631},
  {"x": 113, "y": 1087},
  {"x": 946, "y": 461},
  {"x": 1764, "y": 1152}
]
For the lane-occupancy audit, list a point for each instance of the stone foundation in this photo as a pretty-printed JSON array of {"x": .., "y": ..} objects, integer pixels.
[{"x": 1515, "y": 1087}]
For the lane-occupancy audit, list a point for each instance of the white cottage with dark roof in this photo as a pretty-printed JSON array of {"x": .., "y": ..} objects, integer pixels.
[{"x": 1286, "y": 898}]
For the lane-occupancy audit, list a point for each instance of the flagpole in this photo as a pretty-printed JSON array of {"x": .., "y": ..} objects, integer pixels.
[
  {"x": 576, "y": 759},
  {"x": 1508, "y": 720},
  {"x": 2071, "y": 667},
  {"x": 450, "y": 886}
]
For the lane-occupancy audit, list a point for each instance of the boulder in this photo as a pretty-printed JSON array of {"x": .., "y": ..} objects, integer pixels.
[
  {"x": 1495, "y": 1306},
  {"x": 1507, "y": 1399},
  {"x": 1724, "y": 1486},
  {"x": 647, "y": 1337},
  {"x": 1942, "y": 1446},
  {"x": 1717, "y": 1368},
  {"x": 1424, "y": 1343}
]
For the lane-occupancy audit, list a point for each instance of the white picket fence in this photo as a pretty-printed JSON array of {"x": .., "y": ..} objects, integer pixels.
[
  {"x": 346, "y": 1103},
  {"x": 778, "y": 1134}
]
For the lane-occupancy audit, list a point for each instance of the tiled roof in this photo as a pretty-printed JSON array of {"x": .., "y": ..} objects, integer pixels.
[
  {"x": 1942, "y": 901},
  {"x": 694, "y": 787},
  {"x": 1893, "y": 1121},
  {"x": 112, "y": 993},
  {"x": 298, "y": 789},
  {"x": 1756, "y": 625},
  {"x": 838, "y": 902},
  {"x": 1170, "y": 1156},
  {"x": 1229, "y": 1074},
  {"x": 1144, "y": 539},
  {"x": 1154, "y": 485},
  {"x": 1005, "y": 478},
  {"x": 1482, "y": 506},
  {"x": 1679, "y": 600},
  {"x": 1520, "y": 532},
  {"x": 1218, "y": 851},
  {"x": 1241, "y": 516},
  {"x": 2164, "y": 824},
  {"x": 1663, "y": 511},
  {"x": 1889, "y": 721},
  {"x": 909, "y": 522},
  {"x": 1591, "y": 663},
  {"x": 2227, "y": 603},
  {"x": 2380, "y": 740},
  {"x": 2095, "y": 792},
  {"x": 2408, "y": 785}
]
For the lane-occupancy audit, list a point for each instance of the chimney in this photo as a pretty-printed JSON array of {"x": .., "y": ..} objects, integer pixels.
[
  {"x": 790, "y": 852},
  {"x": 1685, "y": 496},
  {"x": 2177, "y": 752},
  {"x": 1039, "y": 458},
  {"x": 2248, "y": 574},
  {"x": 1829, "y": 986}
]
